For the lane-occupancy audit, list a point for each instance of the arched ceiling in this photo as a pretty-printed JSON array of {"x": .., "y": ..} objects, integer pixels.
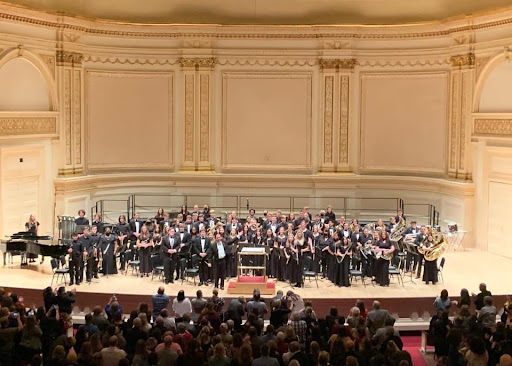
[{"x": 287, "y": 12}]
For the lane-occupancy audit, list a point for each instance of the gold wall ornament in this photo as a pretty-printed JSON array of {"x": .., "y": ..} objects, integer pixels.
[
  {"x": 50, "y": 62},
  {"x": 463, "y": 60},
  {"x": 67, "y": 114},
  {"x": 328, "y": 118},
  {"x": 130, "y": 60},
  {"x": 16, "y": 126},
  {"x": 204, "y": 117},
  {"x": 198, "y": 62},
  {"x": 77, "y": 115},
  {"x": 454, "y": 122},
  {"x": 493, "y": 127},
  {"x": 189, "y": 118},
  {"x": 336, "y": 63},
  {"x": 69, "y": 58},
  {"x": 344, "y": 112}
]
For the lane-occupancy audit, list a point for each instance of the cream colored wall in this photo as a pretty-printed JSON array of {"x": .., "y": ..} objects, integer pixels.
[{"x": 312, "y": 111}]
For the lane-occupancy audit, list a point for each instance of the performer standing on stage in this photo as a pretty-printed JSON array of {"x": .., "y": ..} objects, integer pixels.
[
  {"x": 420, "y": 238},
  {"x": 201, "y": 247},
  {"x": 81, "y": 219},
  {"x": 76, "y": 253},
  {"x": 343, "y": 257},
  {"x": 232, "y": 244},
  {"x": 87, "y": 246},
  {"x": 32, "y": 225},
  {"x": 273, "y": 255},
  {"x": 97, "y": 221},
  {"x": 185, "y": 250},
  {"x": 145, "y": 245},
  {"x": 107, "y": 246},
  {"x": 92, "y": 254},
  {"x": 122, "y": 230},
  {"x": 218, "y": 254},
  {"x": 279, "y": 248},
  {"x": 169, "y": 254},
  {"x": 430, "y": 271},
  {"x": 384, "y": 246},
  {"x": 323, "y": 245}
]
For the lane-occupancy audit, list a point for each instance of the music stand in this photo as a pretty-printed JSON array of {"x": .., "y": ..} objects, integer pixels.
[{"x": 413, "y": 249}]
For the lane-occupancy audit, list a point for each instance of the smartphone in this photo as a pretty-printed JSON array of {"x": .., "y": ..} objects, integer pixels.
[
  {"x": 14, "y": 315},
  {"x": 55, "y": 306}
]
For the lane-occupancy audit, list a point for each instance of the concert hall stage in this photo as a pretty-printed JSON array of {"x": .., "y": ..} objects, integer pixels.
[{"x": 463, "y": 269}]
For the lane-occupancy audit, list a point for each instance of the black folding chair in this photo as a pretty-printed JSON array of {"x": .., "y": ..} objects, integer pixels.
[{"x": 58, "y": 271}]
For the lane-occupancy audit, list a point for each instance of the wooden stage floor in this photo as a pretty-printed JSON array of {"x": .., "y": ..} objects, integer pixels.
[{"x": 463, "y": 269}]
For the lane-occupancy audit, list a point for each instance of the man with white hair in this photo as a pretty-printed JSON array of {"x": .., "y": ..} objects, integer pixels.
[{"x": 377, "y": 318}]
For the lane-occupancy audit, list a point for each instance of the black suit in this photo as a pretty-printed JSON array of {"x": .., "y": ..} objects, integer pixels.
[
  {"x": 133, "y": 228},
  {"x": 219, "y": 264},
  {"x": 198, "y": 248},
  {"x": 419, "y": 257},
  {"x": 411, "y": 260},
  {"x": 170, "y": 260}
]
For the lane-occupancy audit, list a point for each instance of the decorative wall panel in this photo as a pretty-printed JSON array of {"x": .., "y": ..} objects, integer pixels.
[{"x": 266, "y": 122}]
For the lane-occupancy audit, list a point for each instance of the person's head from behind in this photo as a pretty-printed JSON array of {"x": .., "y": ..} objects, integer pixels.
[
  {"x": 444, "y": 294},
  {"x": 323, "y": 358},
  {"x": 181, "y": 296},
  {"x": 161, "y": 290},
  {"x": 488, "y": 301},
  {"x": 112, "y": 342},
  {"x": 376, "y": 305},
  {"x": 351, "y": 361},
  {"x": 483, "y": 287}
]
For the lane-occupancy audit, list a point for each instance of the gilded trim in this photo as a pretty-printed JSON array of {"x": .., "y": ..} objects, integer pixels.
[
  {"x": 16, "y": 126},
  {"x": 493, "y": 127}
]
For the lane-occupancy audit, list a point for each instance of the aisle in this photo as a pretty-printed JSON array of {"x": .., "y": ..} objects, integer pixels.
[{"x": 412, "y": 345}]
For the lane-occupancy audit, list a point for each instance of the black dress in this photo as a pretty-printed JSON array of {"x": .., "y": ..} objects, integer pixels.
[
  {"x": 297, "y": 264},
  {"x": 343, "y": 268},
  {"x": 273, "y": 261},
  {"x": 382, "y": 265},
  {"x": 331, "y": 261},
  {"x": 281, "y": 260},
  {"x": 106, "y": 245},
  {"x": 231, "y": 266},
  {"x": 430, "y": 269},
  {"x": 145, "y": 257}
]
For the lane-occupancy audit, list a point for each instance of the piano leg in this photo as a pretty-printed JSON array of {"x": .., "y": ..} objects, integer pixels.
[{"x": 5, "y": 256}]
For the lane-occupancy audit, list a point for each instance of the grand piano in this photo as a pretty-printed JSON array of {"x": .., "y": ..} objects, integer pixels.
[{"x": 24, "y": 243}]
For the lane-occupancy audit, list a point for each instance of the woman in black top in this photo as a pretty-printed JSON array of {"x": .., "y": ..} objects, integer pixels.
[
  {"x": 382, "y": 266},
  {"x": 32, "y": 225},
  {"x": 273, "y": 260},
  {"x": 106, "y": 246},
  {"x": 343, "y": 257},
  {"x": 430, "y": 267},
  {"x": 145, "y": 245},
  {"x": 232, "y": 243},
  {"x": 279, "y": 247}
]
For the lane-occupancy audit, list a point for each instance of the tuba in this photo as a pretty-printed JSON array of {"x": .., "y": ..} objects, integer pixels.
[
  {"x": 439, "y": 247},
  {"x": 396, "y": 235}
]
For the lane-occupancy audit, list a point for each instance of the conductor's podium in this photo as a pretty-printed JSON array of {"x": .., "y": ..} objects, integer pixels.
[{"x": 245, "y": 285}]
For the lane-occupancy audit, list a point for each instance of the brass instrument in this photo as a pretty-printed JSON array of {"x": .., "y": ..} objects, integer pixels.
[
  {"x": 396, "y": 235},
  {"x": 213, "y": 229},
  {"x": 340, "y": 258},
  {"x": 435, "y": 251},
  {"x": 351, "y": 227},
  {"x": 380, "y": 254}
]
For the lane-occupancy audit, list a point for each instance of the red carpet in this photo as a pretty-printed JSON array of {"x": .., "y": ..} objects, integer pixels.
[{"x": 412, "y": 345}]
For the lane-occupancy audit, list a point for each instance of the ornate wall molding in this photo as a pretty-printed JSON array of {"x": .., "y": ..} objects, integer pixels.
[
  {"x": 66, "y": 58},
  {"x": 463, "y": 60},
  {"x": 67, "y": 114},
  {"x": 77, "y": 115},
  {"x": 204, "y": 118},
  {"x": 328, "y": 118},
  {"x": 198, "y": 62},
  {"x": 348, "y": 63},
  {"x": 403, "y": 62},
  {"x": 267, "y": 62},
  {"x": 77, "y": 26},
  {"x": 344, "y": 112},
  {"x": 492, "y": 127},
  {"x": 50, "y": 62},
  {"x": 17, "y": 126},
  {"x": 465, "y": 102},
  {"x": 189, "y": 118},
  {"x": 454, "y": 121},
  {"x": 130, "y": 60}
]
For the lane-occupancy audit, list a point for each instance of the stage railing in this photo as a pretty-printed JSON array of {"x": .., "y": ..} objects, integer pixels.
[{"x": 364, "y": 208}]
